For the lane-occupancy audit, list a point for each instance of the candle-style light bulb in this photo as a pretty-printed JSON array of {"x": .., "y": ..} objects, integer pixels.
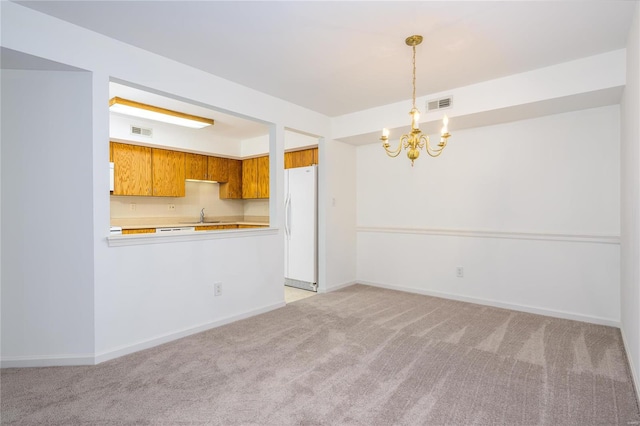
[
  {"x": 385, "y": 133},
  {"x": 415, "y": 118},
  {"x": 445, "y": 122}
]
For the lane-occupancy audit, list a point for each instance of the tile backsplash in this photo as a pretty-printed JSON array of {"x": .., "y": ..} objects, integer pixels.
[{"x": 197, "y": 196}]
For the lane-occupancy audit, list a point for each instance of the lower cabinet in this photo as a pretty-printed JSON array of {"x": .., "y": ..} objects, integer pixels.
[
  {"x": 215, "y": 227},
  {"x": 197, "y": 228},
  {"x": 139, "y": 231}
]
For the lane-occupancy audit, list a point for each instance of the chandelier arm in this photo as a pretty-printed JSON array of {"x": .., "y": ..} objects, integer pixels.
[
  {"x": 394, "y": 152},
  {"x": 434, "y": 152}
]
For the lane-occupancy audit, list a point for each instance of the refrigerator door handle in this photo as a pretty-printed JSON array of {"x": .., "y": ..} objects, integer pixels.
[{"x": 287, "y": 216}]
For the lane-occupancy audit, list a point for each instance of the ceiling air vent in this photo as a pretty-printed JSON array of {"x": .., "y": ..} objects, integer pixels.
[
  {"x": 135, "y": 130},
  {"x": 441, "y": 103}
]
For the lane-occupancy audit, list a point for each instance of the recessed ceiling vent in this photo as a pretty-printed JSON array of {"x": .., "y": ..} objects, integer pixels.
[
  {"x": 441, "y": 103},
  {"x": 135, "y": 130}
]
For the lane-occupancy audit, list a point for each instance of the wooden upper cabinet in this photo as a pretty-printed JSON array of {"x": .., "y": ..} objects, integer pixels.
[
  {"x": 303, "y": 158},
  {"x": 204, "y": 167},
  {"x": 263, "y": 177},
  {"x": 255, "y": 177},
  {"x": 132, "y": 169},
  {"x": 250, "y": 178},
  {"x": 218, "y": 169},
  {"x": 288, "y": 160},
  {"x": 232, "y": 189},
  {"x": 196, "y": 166},
  {"x": 158, "y": 172},
  {"x": 168, "y": 173}
]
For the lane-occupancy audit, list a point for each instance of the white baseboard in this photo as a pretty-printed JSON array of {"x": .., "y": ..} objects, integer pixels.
[
  {"x": 46, "y": 361},
  {"x": 494, "y": 303},
  {"x": 634, "y": 375},
  {"x": 150, "y": 343},
  {"x": 337, "y": 287},
  {"x": 75, "y": 360}
]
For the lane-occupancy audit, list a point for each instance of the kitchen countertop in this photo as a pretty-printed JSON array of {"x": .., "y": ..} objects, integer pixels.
[{"x": 142, "y": 223}]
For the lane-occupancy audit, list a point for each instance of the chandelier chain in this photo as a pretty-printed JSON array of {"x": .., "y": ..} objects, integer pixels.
[{"x": 414, "y": 76}]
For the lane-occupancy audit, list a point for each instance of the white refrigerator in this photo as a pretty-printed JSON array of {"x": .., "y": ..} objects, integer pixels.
[{"x": 300, "y": 229}]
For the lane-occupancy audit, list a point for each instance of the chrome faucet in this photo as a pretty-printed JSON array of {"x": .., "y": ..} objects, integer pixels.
[{"x": 202, "y": 215}]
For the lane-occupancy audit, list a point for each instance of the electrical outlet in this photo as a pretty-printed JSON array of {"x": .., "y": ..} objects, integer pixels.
[
  {"x": 132, "y": 207},
  {"x": 171, "y": 207},
  {"x": 459, "y": 271},
  {"x": 217, "y": 289}
]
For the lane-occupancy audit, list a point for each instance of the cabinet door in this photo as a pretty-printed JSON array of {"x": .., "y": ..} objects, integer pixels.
[
  {"x": 263, "y": 176},
  {"x": 195, "y": 166},
  {"x": 250, "y": 178},
  {"x": 132, "y": 169},
  {"x": 303, "y": 158},
  {"x": 288, "y": 160},
  {"x": 139, "y": 231},
  {"x": 232, "y": 189},
  {"x": 218, "y": 169},
  {"x": 168, "y": 173},
  {"x": 209, "y": 227}
]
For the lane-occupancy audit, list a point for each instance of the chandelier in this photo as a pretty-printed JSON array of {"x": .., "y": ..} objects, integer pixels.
[{"x": 415, "y": 141}]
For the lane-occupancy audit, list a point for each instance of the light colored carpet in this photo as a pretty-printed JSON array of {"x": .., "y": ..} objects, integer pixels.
[
  {"x": 292, "y": 294},
  {"x": 358, "y": 356}
]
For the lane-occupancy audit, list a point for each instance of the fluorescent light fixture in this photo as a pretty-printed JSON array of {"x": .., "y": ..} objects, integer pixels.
[{"x": 137, "y": 109}]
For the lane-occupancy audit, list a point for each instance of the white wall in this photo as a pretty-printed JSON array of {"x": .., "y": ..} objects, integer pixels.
[
  {"x": 161, "y": 291},
  {"x": 530, "y": 209},
  {"x": 630, "y": 201},
  {"x": 47, "y": 246},
  {"x": 337, "y": 204}
]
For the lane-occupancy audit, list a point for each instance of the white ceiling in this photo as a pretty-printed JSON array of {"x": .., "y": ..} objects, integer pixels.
[{"x": 340, "y": 57}]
